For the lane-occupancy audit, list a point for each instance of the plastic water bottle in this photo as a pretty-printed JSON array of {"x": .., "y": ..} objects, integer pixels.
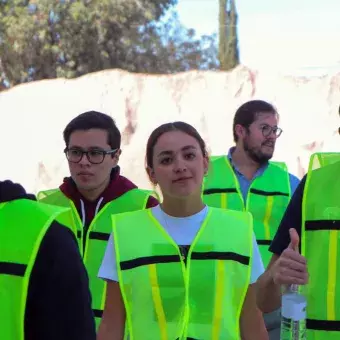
[{"x": 293, "y": 318}]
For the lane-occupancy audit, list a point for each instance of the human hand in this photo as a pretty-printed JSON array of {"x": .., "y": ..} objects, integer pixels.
[{"x": 291, "y": 267}]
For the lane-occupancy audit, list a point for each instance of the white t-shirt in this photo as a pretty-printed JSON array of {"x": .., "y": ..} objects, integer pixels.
[{"x": 183, "y": 231}]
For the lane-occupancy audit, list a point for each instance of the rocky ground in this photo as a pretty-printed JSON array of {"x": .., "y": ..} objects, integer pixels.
[{"x": 34, "y": 115}]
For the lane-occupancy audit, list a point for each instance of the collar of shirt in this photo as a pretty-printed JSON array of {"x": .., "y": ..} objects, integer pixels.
[
  {"x": 244, "y": 182},
  {"x": 258, "y": 173}
]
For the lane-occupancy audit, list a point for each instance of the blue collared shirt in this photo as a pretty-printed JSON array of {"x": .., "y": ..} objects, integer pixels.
[{"x": 245, "y": 182}]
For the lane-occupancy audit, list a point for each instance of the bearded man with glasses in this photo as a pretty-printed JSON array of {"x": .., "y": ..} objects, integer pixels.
[
  {"x": 95, "y": 191},
  {"x": 246, "y": 179}
]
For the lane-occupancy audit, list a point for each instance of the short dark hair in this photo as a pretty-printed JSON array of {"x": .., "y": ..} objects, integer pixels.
[
  {"x": 248, "y": 112},
  {"x": 175, "y": 126},
  {"x": 94, "y": 120}
]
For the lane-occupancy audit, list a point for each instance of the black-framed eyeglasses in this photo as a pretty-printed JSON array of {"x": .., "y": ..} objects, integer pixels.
[
  {"x": 268, "y": 130},
  {"x": 95, "y": 156}
]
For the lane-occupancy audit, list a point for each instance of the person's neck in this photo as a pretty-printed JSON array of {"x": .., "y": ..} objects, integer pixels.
[
  {"x": 244, "y": 163},
  {"x": 182, "y": 208},
  {"x": 92, "y": 195}
]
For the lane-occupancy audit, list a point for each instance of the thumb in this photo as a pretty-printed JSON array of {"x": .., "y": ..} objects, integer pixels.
[{"x": 294, "y": 239}]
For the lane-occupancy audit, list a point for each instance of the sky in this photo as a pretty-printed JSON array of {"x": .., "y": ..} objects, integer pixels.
[{"x": 297, "y": 36}]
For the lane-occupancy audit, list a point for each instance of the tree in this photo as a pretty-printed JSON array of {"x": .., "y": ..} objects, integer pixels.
[
  {"x": 169, "y": 47},
  {"x": 69, "y": 38},
  {"x": 228, "y": 53}
]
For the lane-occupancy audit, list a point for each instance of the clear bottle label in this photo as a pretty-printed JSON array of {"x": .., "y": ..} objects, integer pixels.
[{"x": 294, "y": 307}]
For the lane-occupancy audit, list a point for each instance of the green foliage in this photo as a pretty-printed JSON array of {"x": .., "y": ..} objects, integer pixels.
[
  {"x": 228, "y": 53},
  {"x": 44, "y": 39},
  {"x": 168, "y": 48}
]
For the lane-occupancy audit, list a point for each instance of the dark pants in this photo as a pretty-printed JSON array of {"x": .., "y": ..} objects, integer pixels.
[{"x": 273, "y": 323}]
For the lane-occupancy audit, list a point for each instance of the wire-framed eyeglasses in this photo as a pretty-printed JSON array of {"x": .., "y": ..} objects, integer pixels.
[{"x": 267, "y": 130}]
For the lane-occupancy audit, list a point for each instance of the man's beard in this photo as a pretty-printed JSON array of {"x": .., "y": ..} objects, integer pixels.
[{"x": 256, "y": 154}]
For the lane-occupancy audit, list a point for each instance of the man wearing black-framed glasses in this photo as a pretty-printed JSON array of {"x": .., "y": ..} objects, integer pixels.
[
  {"x": 246, "y": 179},
  {"x": 95, "y": 190},
  {"x": 94, "y": 156}
]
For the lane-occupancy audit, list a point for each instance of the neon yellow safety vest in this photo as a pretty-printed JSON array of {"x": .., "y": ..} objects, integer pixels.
[
  {"x": 321, "y": 246},
  {"x": 267, "y": 198},
  {"x": 23, "y": 225},
  {"x": 97, "y": 235},
  {"x": 167, "y": 299}
]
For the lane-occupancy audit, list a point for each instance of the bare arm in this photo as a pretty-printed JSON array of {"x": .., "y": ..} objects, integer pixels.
[
  {"x": 268, "y": 294},
  {"x": 251, "y": 323},
  {"x": 113, "y": 321}
]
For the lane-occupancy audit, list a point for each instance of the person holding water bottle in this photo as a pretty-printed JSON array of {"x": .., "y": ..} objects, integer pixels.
[{"x": 308, "y": 235}]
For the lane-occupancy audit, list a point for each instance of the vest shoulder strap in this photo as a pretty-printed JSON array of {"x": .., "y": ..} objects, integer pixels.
[
  {"x": 23, "y": 226},
  {"x": 281, "y": 165},
  {"x": 220, "y": 176},
  {"x": 135, "y": 198},
  {"x": 53, "y": 196},
  {"x": 322, "y": 159}
]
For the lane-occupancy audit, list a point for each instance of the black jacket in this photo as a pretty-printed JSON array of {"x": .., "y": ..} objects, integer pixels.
[{"x": 59, "y": 302}]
